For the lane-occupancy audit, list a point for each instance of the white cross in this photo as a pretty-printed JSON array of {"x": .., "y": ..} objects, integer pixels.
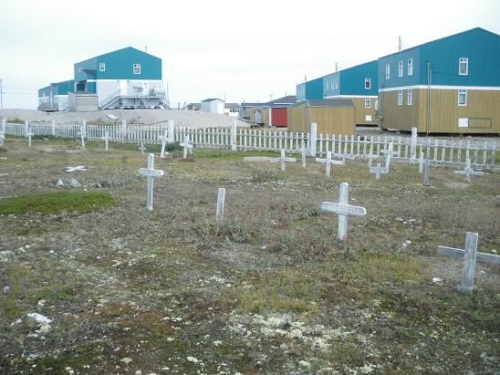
[
  {"x": 29, "y": 134},
  {"x": 378, "y": 170},
  {"x": 2, "y": 138},
  {"x": 142, "y": 148},
  {"x": 469, "y": 171},
  {"x": 78, "y": 168},
  {"x": 188, "y": 148},
  {"x": 426, "y": 172},
  {"x": 106, "y": 139},
  {"x": 470, "y": 255},
  {"x": 164, "y": 140},
  {"x": 221, "y": 197},
  {"x": 150, "y": 172},
  {"x": 282, "y": 159},
  {"x": 82, "y": 133},
  {"x": 388, "y": 154},
  {"x": 329, "y": 162},
  {"x": 342, "y": 208}
]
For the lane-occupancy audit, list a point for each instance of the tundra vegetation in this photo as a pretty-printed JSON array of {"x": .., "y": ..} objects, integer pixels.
[{"x": 93, "y": 283}]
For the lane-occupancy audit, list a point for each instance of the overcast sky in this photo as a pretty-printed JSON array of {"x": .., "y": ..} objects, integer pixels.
[{"x": 238, "y": 51}]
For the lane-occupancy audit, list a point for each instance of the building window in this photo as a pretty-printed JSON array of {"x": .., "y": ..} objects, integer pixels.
[
  {"x": 387, "y": 71},
  {"x": 102, "y": 67},
  {"x": 462, "y": 97},
  {"x": 463, "y": 66},
  {"x": 368, "y": 83},
  {"x": 410, "y": 67},
  {"x": 336, "y": 84},
  {"x": 368, "y": 103},
  {"x": 400, "y": 68},
  {"x": 136, "y": 68},
  {"x": 409, "y": 98},
  {"x": 400, "y": 97}
]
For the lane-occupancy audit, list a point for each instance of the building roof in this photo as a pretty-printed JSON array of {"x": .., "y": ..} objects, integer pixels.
[
  {"x": 289, "y": 99},
  {"x": 211, "y": 100},
  {"x": 326, "y": 103}
]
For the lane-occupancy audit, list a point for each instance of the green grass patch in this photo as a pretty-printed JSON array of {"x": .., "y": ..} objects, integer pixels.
[{"x": 56, "y": 202}]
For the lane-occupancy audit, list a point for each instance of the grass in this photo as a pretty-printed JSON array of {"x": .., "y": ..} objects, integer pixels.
[
  {"x": 56, "y": 202},
  {"x": 268, "y": 290}
]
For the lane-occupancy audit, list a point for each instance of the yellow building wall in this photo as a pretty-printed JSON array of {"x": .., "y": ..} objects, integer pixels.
[
  {"x": 482, "y": 111},
  {"x": 364, "y": 116},
  {"x": 330, "y": 120}
]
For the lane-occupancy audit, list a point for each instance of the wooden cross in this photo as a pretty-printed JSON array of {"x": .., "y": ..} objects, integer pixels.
[
  {"x": 329, "y": 162},
  {"x": 2, "y": 138},
  {"x": 282, "y": 159},
  {"x": 388, "y": 154},
  {"x": 106, "y": 139},
  {"x": 142, "y": 148},
  {"x": 188, "y": 148},
  {"x": 426, "y": 172},
  {"x": 164, "y": 140},
  {"x": 469, "y": 171},
  {"x": 343, "y": 209},
  {"x": 469, "y": 254},
  {"x": 221, "y": 197},
  {"x": 29, "y": 134},
  {"x": 150, "y": 172},
  {"x": 82, "y": 133},
  {"x": 78, "y": 168},
  {"x": 378, "y": 170}
]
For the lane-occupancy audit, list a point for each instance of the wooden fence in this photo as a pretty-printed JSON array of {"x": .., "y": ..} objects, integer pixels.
[{"x": 441, "y": 152}]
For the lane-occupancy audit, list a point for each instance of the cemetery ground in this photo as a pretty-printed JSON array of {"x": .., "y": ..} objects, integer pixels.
[{"x": 91, "y": 282}]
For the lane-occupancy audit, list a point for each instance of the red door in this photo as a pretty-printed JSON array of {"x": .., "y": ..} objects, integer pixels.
[{"x": 279, "y": 117}]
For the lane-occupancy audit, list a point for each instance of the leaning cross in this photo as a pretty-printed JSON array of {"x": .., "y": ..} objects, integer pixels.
[
  {"x": 282, "y": 159},
  {"x": 164, "y": 140},
  {"x": 468, "y": 171},
  {"x": 469, "y": 255},
  {"x": 388, "y": 154},
  {"x": 150, "y": 172},
  {"x": 343, "y": 209},
  {"x": 378, "y": 170},
  {"x": 188, "y": 148},
  {"x": 329, "y": 162}
]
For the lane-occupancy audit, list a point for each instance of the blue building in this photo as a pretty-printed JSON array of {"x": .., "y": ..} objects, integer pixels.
[
  {"x": 126, "y": 78},
  {"x": 449, "y": 85},
  {"x": 359, "y": 84},
  {"x": 310, "y": 90}
]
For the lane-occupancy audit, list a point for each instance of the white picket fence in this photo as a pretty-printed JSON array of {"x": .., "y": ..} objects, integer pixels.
[{"x": 441, "y": 152}]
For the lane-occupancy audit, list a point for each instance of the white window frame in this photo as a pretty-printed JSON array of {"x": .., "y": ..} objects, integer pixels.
[
  {"x": 387, "y": 71},
  {"x": 462, "y": 98},
  {"x": 336, "y": 83},
  {"x": 136, "y": 68},
  {"x": 368, "y": 103},
  {"x": 463, "y": 66},
  {"x": 400, "y": 97},
  {"x": 368, "y": 83},
  {"x": 400, "y": 68},
  {"x": 102, "y": 67},
  {"x": 409, "y": 97},
  {"x": 410, "y": 67}
]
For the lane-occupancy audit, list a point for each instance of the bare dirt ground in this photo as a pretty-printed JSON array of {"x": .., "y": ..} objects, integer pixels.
[{"x": 269, "y": 290}]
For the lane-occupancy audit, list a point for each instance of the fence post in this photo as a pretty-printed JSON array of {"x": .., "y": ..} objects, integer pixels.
[
  {"x": 4, "y": 122},
  {"x": 313, "y": 139},
  {"x": 234, "y": 146},
  {"x": 124, "y": 130}
]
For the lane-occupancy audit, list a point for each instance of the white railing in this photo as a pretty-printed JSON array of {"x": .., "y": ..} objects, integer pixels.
[{"x": 441, "y": 152}]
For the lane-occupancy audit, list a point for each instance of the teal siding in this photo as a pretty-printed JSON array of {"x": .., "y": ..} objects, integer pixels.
[
  {"x": 310, "y": 89},
  {"x": 351, "y": 81},
  {"x": 481, "y": 47},
  {"x": 119, "y": 65},
  {"x": 63, "y": 88}
]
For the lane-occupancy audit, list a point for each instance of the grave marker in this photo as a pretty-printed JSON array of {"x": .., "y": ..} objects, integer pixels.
[
  {"x": 78, "y": 168},
  {"x": 282, "y": 159},
  {"x": 378, "y": 170},
  {"x": 29, "y": 134},
  {"x": 470, "y": 255},
  {"x": 426, "y": 172},
  {"x": 106, "y": 139},
  {"x": 329, "y": 162},
  {"x": 150, "y": 172},
  {"x": 2, "y": 138},
  {"x": 469, "y": 171},
  {"x": 388, "y": 154},
  {"x": 164, "y": 140},
  {"x": 221, "y": 197},
  {"x": 142, "y": 148},
  {"x": 82, "y": 133},
  {"x": 343, "y": 209},
  {"x": 188, "y": 148}
]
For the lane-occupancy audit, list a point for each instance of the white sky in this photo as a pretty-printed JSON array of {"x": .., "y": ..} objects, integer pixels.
[{"x": 238, "y": 51}]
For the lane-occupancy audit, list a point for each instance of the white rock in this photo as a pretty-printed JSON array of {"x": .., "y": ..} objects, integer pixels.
[{"x": 39, "y": 318}]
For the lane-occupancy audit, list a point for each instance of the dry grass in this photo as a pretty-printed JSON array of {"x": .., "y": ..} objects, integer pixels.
[{"x": 267, "y": 291}]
